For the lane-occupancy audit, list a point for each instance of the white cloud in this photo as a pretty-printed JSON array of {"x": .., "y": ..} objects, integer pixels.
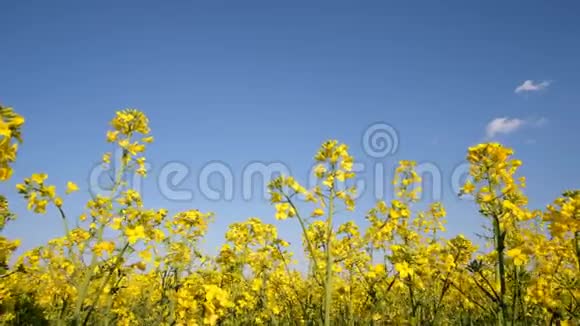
[
  {"x": 503, "y": 126},
  {"x": 507, "y": 125},
  {"x": 530, "y": 86}
]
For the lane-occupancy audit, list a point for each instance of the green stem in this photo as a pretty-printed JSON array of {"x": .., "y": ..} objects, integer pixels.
[
  {"x": 105, "y": 281},
  {"x": 308, "y": 242},
  {"x": 83, "y": 289},
  {"x": 500, "y": 276},
  {"x": 499, "y": 248},
  {"x": 87, "y": 280},
  {"x": 328, "y": 281},
  {"x": 577, "y": 247}
]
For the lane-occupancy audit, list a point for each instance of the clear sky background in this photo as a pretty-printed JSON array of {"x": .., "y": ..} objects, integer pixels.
[{"x": 267, "y": 81}]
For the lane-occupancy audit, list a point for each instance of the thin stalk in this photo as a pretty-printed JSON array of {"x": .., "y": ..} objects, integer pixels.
[
  {"x": 105, "y": 281},
  {"x": 83, "y": 289},
  {"x": 500, "y": 276},
  {"x": 577, "y": 247},
  {"x": 499, "y": 248},
  {"x": 308, "y": 242},
  {"x": 328, "y": 281}
]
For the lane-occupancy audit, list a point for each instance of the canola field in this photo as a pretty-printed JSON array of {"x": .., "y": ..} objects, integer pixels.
[{"x": 121, "y": 263}]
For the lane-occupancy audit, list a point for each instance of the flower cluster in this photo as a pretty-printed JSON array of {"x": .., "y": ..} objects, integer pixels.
[{"x": 10, "y": 137}]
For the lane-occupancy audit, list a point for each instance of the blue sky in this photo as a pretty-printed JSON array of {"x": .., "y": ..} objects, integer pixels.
[{"x": 262, "y": 81}]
